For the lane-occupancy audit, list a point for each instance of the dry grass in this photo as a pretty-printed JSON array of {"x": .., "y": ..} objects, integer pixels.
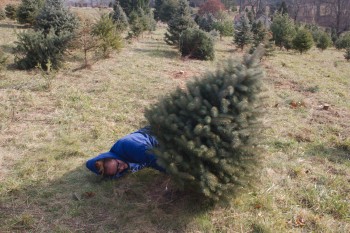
[{"x": 48, "y": 134}]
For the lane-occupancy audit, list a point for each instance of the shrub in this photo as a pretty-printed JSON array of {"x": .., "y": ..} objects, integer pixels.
[
  {"x": 36, "y": 48},
  {"x": 119, "y": 18},
  {"x": 324, "y": 41},
  {"x": 195, "y": 43},
  {"x": 54, "y": 15},
  {"x": 303, "y": 41},
  {"x": 207, "y": 133},
  {"x": 28, "y": 10},
  {"x": 10, "y": 11},
  {"x": 108, "y": 37},
  {"x": 181, "y": 21}
]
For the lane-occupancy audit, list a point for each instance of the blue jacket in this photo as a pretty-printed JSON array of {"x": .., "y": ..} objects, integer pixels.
[{"x": 133, "y": 149}]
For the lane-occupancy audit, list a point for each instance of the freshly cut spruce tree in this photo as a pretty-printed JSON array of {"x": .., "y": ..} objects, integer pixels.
[{"x": 208, "y": 132}]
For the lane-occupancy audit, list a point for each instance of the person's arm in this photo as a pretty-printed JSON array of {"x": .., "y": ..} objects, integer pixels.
[{"x": 136, "y": 149}]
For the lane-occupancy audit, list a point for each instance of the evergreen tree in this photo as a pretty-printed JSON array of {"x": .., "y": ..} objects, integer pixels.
[
  {"x": 223, "y": 24},
  {"x": 11, "y": 11},
  {"x": 85, "y": 40},
  {"x": 166, "y": 10},
  {"x": 206, "y": 21},
  {"x": 140, "y": 22},
  {"x": 259, "y": 35},
  {"x": 54, "y": 15},
  {"x": 181, "y": 21},
  {"x": 28, "y": 10},
  {"x": 283, "y": 30},
  {"x": 36, "y": 47},
  {"x": 225, "y": 28},
  {"x": 195, "y": 43},
  {"x": 343, "y": 42},
  {"x": 303, "y": 41},
  {"x": 243, "y": 35},
  {"x": 283, "y": 8},
  {"x": 324, "y": 41},
  {"x": 347, "y": 54},
  {"x": 157, "y": 8},
  {"x": 207, "y": 133},
  {"x": 108, "y": 37},
  {"x": 119, "y": 17},
  {"x": 134, "y": 5}
]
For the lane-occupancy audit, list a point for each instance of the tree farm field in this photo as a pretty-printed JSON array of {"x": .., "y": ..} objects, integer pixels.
[{"x": 50, "y": 127}]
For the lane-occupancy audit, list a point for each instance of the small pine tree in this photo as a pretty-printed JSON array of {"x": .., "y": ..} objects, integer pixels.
[
  {"x": 36, "y": 47},
  {"x": 195, "y": 43},
  {"x": 347, "y": 54},
  {"x": 259, "y": 35},
  {"x": 243, "y": 35},
  {"x": 108, "y": 37},
  {"x": 2, "y": 14},
  {"x": 54, "y": 15},
  {"x": 225, "y": 28},
  {"x": 207, "y": 133},
  {"x": 28, "y": 10},
  {"x": 180, "y": 22},
  {"x": 141, "y": 22},
  {"x": 11, "y": 11},
  {"x": 223, "y": 24},
  {"x": 3, "y": 59},
  {"x": 119, "y": 17},
  {"x": 283, "y": 30},
  {"x": 303, "y": 41},
  {"x": 206, "y": 21},
  {"x": 324, "y": 41},
  {"x": 343, "y": 42},
  {"x": 85, "y": 40}
]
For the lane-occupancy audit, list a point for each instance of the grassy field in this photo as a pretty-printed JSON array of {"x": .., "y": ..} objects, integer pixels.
[{"x": 49, "y": 130}]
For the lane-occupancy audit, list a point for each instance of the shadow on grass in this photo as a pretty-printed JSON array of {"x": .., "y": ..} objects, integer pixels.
[
  {"x": 80, "y": 201},
  {"x": 337, "y": 154},
  {"x": 171, "y": 54},
  {"x": 7, "y": 48},
  {"x": 10, "y": 25}
]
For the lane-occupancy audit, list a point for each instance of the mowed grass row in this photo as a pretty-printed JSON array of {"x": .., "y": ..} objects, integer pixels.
[{"x": 48, "y": 134}]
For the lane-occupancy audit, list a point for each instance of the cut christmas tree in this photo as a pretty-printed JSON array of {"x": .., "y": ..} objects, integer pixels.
[{"x": 208, "y": 133}]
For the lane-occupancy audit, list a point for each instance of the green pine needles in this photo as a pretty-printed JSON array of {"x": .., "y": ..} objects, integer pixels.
[{"x": 208, "y": 133}]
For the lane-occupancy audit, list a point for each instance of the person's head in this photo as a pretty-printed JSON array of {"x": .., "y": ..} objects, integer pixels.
[{"x": 113, "y": 166}]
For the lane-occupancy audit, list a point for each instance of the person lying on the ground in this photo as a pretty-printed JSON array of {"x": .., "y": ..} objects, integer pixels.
[{"x": 129, "y": 154}]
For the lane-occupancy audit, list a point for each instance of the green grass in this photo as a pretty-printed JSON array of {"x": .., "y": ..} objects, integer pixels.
[{"x": 47, "y": 134}]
